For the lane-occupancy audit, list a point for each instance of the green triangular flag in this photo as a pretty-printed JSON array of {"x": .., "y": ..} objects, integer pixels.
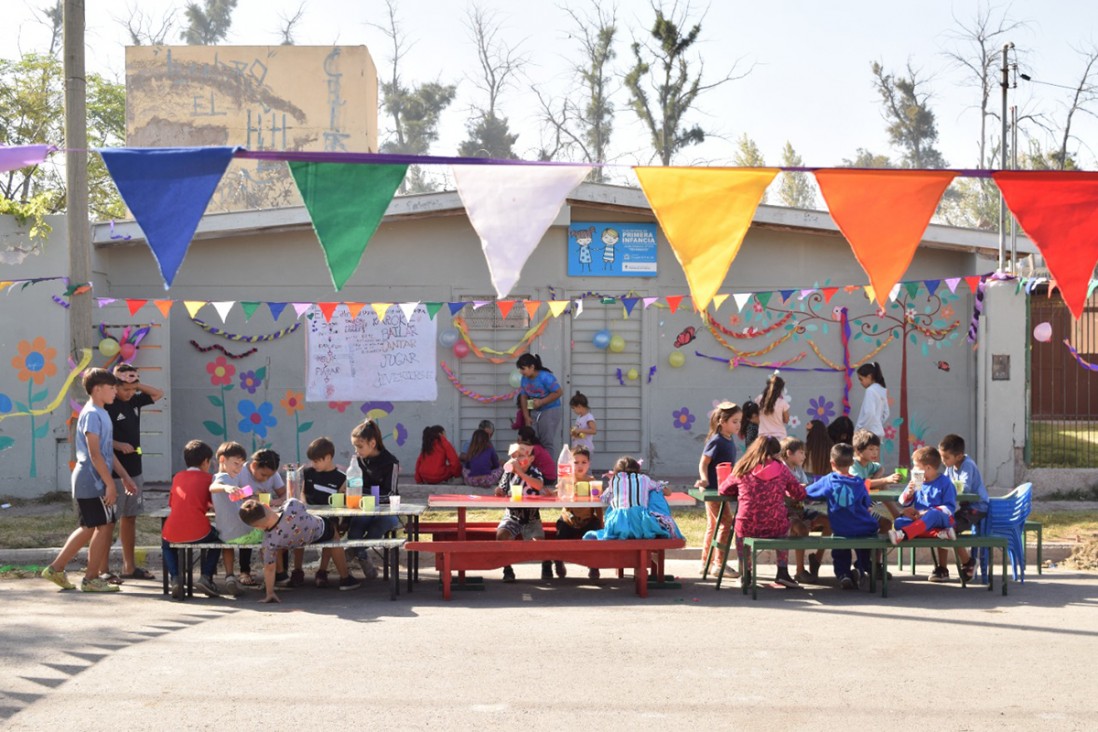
[
  {"x": 249, "y": 309},
  {"x": 433, "y": 308},
  {"x": 763, "y": 298},
  {"x": 346, "y": 202},
  {"x": 912, "y": 288}
]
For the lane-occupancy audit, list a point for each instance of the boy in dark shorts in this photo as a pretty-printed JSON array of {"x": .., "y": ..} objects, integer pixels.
[
  {"x": 125, "y": 414},
  {"x": 93, "y": 487},
  {"x": 322, "y": 480},
  {"x": 291, "y": 528},
  {"x": 521, "y": 523}
]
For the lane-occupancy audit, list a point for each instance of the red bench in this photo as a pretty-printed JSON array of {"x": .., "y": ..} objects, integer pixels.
[
  {"x": 448, "y": 530},
  {"x": 635, "y": 554}
]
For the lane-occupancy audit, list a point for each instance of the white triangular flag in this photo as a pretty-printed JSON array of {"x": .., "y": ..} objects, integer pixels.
[
  {"x": 511, "y": 207},
  {"x": 741, "y": 299},
  {"x": 223, "y": 307},
  {"x": 409, "y": 309},
  {"x": 894, "y": 293},
  {"x": 579, "y": 308}
]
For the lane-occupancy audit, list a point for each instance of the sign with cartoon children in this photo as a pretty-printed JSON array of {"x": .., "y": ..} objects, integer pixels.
[{"x": 603, "y": 249}]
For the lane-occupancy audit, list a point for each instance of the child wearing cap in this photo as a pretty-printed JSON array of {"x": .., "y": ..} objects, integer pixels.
[{"x": 521, "y": 523}]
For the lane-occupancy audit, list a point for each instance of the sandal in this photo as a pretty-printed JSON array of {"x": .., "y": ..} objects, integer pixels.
[
  {"x": 111, "y": 578},
  {"x": 139, "y": 574},
  {"x": 246, "y": 580}
]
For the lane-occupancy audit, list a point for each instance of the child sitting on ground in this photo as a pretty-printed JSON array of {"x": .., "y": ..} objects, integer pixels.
[
  {"x": 521, "y": 523},
  {"x": 962, "y": 470},
  {"x": 485, "y": 424},
  {"x": 438, "y": 460},
  {"x": 481, "y": 467},
  {"x": 638, "y": 507},
  {"x": 189, "y": 500},
  {"x": 291, "y": 528},
  {"x": 802, "y": 520},
  {"x": 225, "y": 493},
  {"x": 928, "y": 507},
  {"x": 575, "y": 522},
  {"x": 848, "y": 506},
  {"x": 761, "y": 482},
  {"x": 322, "y": 480}
]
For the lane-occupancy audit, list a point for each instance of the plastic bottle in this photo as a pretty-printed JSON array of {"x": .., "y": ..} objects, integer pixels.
[
  {"x": 354, "y": 483},
  {"x": 566, "y": 472}
]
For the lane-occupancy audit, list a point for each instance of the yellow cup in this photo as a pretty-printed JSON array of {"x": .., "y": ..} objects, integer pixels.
[
  {"x": 583, "y": 489},
  {"x": 336, "y": 500},
  {"x": 367, "y": 503},
  {"x": 516, "y": 492},
  {"x": 265, "y": 498},
  {"x": 353, "y": 501}
]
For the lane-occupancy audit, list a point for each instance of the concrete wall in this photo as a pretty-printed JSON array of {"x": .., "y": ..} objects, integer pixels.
[{"x": 438, "y": 257}]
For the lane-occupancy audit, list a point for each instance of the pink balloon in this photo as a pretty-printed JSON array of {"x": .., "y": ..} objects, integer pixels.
[
  {"x": 461, "y": 349},
  {"x": 1043, "y": 332},
  {"x": 127, "y": 351}
]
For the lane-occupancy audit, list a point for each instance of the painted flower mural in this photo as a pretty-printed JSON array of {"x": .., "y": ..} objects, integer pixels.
[
  {"x": 250, "y": 381},
  {"x": 220, "y": 371},
  {"x": 293, "y": 403},
  {"x": 684, "y": 420},
  {"x": 221, "y": 375},
  {"x": 340, "y": 407},
  {"x": 821, "y": 408},
  {"x": 34, "y": 364},
  {"x": 256, "y": 419},
  {"x": 5, "y": 407}
]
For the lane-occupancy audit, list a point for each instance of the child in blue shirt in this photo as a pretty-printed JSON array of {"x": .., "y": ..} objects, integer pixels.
[
  {"x": 540, "y": 399},
  {"x": 848, "y": 505},
  {"x": 962, "y": 470},
  {"x": 929, "y": 507}
]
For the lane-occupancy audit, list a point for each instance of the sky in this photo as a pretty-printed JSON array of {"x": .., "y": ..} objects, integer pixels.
[{"x": 809, "y": 79}]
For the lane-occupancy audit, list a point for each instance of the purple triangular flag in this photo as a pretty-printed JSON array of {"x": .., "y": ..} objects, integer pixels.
[{"x": 167, "y": 189}]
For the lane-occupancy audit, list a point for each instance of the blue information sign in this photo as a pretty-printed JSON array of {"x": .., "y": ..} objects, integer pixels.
[{"x": 601, "y": 249}]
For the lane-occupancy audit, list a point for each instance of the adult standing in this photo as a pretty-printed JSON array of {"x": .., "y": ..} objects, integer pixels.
[
  {"x": 540, "y": 400},
  {"x": 874, "y": 413}
]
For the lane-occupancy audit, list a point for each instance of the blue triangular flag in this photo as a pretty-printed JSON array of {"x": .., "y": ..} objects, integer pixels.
[
  {"x": 167, "y": 189},
  {"x": 786, "y": 294},
  {"x": 931, "y": 286},
  {"x": 455, "y": 307},
  {"x": 629, "y": 303},
  {"x": 276, "y": 309}
]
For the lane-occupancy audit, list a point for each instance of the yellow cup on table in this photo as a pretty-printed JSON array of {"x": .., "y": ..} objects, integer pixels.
[
  {"x": 583, "y": 489},
  {"x": 336, "y": 500},
  {"x": 264, "y": 498},
  {"x": 516, "y": 492}
]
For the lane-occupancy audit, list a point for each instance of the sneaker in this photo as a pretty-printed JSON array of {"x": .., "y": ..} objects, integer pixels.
[
  {"x": 895, "y": 536},
  {"x": 940, "y": 574},
  {"x": 593, "y": 574},
  {"x": 948, "y": 534},
  {"x": 97, "y": 584},
  {"x": 862, "y": 579},
  {"x": 803, "y": 576},
  {"x": 58, "y": 577},
  {"x": 369, "y": 571},
  {"x": 206, "y": 584},
  {"x": 730, "y": 573},
  {"x": 232, "y": 587},
  {"x": 508, "y": 574},
  {"x": 111, "y": 578},
  {"x": 882, "y": 573},
  {"x": 562, "y": 572},
  {"x": 547, "y": 570},
  {"x": 297, "y": 578},
  {"x": 814, "y": 566},
  {"x": 350, "y": 582},
  {"x": 745, "y": 578},
  {"x": 281, "y": 580},
  {"x": 321, "y": 578},
  {"x": 847, "y": 582},
  {"x": 176, "y": 588},
  {"x": 785, "y": 580},
  {"x": 968, "y": 569}
]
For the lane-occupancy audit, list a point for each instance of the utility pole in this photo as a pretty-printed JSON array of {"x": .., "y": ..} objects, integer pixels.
[
  {"x": 76, "y": 175},
  {"x": 1005, "y": 84}
]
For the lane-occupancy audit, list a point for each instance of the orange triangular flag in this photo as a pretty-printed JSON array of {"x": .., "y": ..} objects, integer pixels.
[
  {"x": 705, "y": 214},
  {"x": 883, "y": 215},
  {"x": 1058, "y": 209},
  {"x": 135, "y": 305},
  {"x": 673, "y": 302},
  {"x": 532, "y": 308},
  {"x": 828, "y": 293},
  {"x": 973, "y": 283},
  {"x": 505, "y": 307},
  {"x": 164, "y": 306},
  {"x": 328, "y": 308},
  {"x": 354, "y": 308}
]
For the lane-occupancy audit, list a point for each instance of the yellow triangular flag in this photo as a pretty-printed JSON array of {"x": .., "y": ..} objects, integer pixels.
[
  {"x": 193, "y": 306},
  {"x": 705, "y": 214},
  {"x": 870, "y": 293},
  {"x": 381, "y": 308},
  {"x": 718, "y": 300},
  {"x": 556, "y": 307}
]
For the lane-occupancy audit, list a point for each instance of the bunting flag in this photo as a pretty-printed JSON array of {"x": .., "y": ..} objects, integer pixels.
[
  {"x": 932, "y": 286},
  {"x": 346, "y": 202},
  {"x": 164, "y": 306},
  {"x": 193, "y": 306},
  {"x": 455, "y": 308},
  {"x": 705, "y": 214},
  {"x": 223, "y": 307},
  {"x": 409, "y": 310},
  {"x": 579, "y": 308},
  {"x": 629, "y": 303},
  {"x": 673, "y": 302},
  {"x": 718, "y": 300},
  {"x": 883, "y": 215},
  {"x": 327, "y": 309},
  {"x": 1059, "y": 211},
  {"x": 249, "y": 307},
  {"x": 301, "y": 307},
  {"x": 381, "y": 308},
  {"x": 276, "y": 309},
  {"x": 432, "y": 309},
  {"x": 951, "y": 283},
  {"x": 135, "y": 305},
  {"x": 14, "y": 157},
  {"x": 741, "y": 299},
  {"x": 511, "y": 207},
  {"x": 648, "y": 301},
  {"x": 828, "y": 293},
  {"x": 167, "y": 190},
  {"x": 505, "y": 307},
  {"x": 354, "y": 308},
  {"x": 556, "y": 307},
  {"x": 532, "y": 308}
]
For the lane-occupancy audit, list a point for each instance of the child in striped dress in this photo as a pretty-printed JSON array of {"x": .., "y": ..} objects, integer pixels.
[{"x": 638, "y": 508}]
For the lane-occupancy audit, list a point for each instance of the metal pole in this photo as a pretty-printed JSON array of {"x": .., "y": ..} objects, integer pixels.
[
  {"x": 1005, "y": 84},
  {"x": 1013, "y": 166},
  {"x": 76, "y": 174}
]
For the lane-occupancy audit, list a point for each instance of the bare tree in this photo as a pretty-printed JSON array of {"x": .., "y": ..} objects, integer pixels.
[
  {"x": 52, "y": 16},
  {"x": 207, "y": 24},
  {"x": 912, "y": 126},
  {"x": 1084, "y": 94},
  {"x": 144, "y": 30},
  {"x": 289, "y": 24},
  {"x": 489, "y": 133}
]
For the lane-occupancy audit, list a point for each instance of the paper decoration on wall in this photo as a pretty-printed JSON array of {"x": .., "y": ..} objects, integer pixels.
[
  {"x": 688, "y": 334},
  {"x": 511, "y": 208},
  {"x": 213, "y": 330},
  {"x": 1057, "y": 210},
  {"x": 943, "y": 366},
  {"x": 14, "y": 157},
  {"x": 346, "y": 202},
  {"x": 750, "y": 332},
  {"x": 167, "y": 189},
  {"x": 465, "y": 391},
  {"x": 491, "y": 354},
  {"x": 705, "y": 214},
  {"x": 883, "y": 215},
  {"x": 218, "y": 347}
]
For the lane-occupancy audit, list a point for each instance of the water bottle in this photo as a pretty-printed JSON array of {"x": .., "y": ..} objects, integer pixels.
[
  {"x": 566, "y": 474},
  {"x": 294, "y": 484},
  {"x": 354, "y": 483}
]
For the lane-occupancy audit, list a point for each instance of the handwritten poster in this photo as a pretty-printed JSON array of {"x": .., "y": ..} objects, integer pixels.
[{"x": 368, "y": 359}]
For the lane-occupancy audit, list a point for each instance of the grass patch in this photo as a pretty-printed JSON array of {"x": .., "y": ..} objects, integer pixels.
[
  {"x": 52, "y": 529},
  {"x": 1063, "y": 444},
  {"x": 1075, "y": 494},
  {"x": 1066, "y": 525}
]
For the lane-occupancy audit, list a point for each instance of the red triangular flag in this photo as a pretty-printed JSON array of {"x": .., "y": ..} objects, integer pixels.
[
  {"x": 673, "y": 302},
  {"x": 328, "y": 308},
  {"x": 973, "y": 283},
  {"x": 505, "y": 307},
  {"x": 1059, "y": 212},
  {"x": 829, "y": 292},
  {"x": 135, "y": 305},
  {"x": 532, "y": 308},
  {"x": 164, "y": 306},
  {"x": 354, "y": 307}
]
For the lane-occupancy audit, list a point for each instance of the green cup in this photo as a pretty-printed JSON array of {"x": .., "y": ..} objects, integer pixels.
[
  {"x": 903, "y": 474},
  {"x": 336, "y": 500}
]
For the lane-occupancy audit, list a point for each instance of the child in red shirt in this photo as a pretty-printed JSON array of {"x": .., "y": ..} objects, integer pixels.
[
  {"x": 438, "y": 460},
  {"x": 189, "y": 501}
]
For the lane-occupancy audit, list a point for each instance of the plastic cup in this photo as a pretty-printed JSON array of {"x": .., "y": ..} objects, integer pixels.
[
  {"x": 394, "y": 504},
  {"x": 583, "y": 489},
  {"x": 265, "y": 499},
  {"x": 723, "y": 471},
  {"x": 336, "y": 500},
  {"x": 902, "y": 472},
  {"x": 375, "y": 491},
  {"x": 354, "y": 501},
  {"x": 516, "y": 493},
  {"x": 596, "y": 488},
  {"x": 366, "y": 503}
]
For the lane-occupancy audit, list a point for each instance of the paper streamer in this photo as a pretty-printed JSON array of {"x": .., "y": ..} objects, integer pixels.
[
  {"x": 498, "y": 357},
  {"x": 750, "y": 332},
  {"x": 85, "y": 360},
  {"x": 218, "y": 347},
  {"x": 734, "y": 362},
  {"x": 1079, "y": 359},
  {"x": 213, "y": 330},
  {"x": 465, "y": 391}
]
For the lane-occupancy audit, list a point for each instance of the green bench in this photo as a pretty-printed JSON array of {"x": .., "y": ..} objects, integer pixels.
[
  {"x": 879, "y": 546},
  {"x": 1035, "y": 526}
]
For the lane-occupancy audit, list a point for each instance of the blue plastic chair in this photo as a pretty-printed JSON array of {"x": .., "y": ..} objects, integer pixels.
[{"x": 1006, "y": 517}]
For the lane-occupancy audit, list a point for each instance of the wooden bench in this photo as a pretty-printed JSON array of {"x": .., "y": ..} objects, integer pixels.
[
  {"x": 879, "y": 545},
  {"x": 391, "y": 548},
  {"x": 448, "y": 530},
  {"x": 635, "y": 554}
]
